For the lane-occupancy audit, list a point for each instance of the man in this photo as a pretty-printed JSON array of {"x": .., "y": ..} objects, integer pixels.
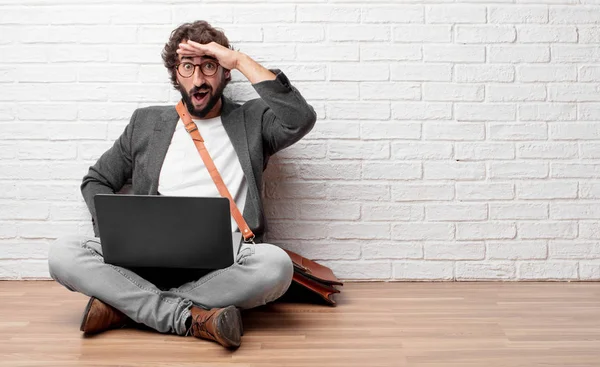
[{"x": 158, "y": 155}]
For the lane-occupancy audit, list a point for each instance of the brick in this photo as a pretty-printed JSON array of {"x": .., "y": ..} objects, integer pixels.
[
  {"x": 575, "y": 130},
  {"x": 358, "y": 72},
  {"x": 518, "y": 170},
  {"x": 293, "y": 33},
  {"x": 483, "y": 151},
  {"x": 422, "y": 33},
  {"x": 588, "y": 34},
  {"x": 392, "y": 52},
  {"x": 484, "y": 191},
  {"x": 517, "y": 14},
  {"x": 573, "y": 250},
  {"x": 549, "y": 230},
  {"x": 547, "y": 150},
  {"x": 486, "y": 230},
  {"x": 24, "y": 210},
  {"x": 589, "y": 111},
  {"x": 484, "y": 111},
  {"x": 546, "y": 73},
  {"x": 546, "y": 270},
  {"x": 263, "y": 14},
  {"x": 485, "y": 34},
  {"x": 359, "y": 230},
  {"x": 453, "y": 170},
  {"x": 518, "y": 131},
  {"x": 574, "y": 15},
  {"x": 484, "y": 73},
  {"x": 327, "y": 13},
  {"x": 421, "y": 111},
  {"x": 574, "y": 210},
  {"x": 390, "y": 130},
  {"x": 521, "y": 250},
  {"x": 391, "y": 171},
  {"x": 589, "y": 190},
  {"x": 575, "y": 170},
  {"x": 330, "y": 171},
  {"x": 575, "y": 53},
  {"x": 359, "y": 110},
  {"x": 393, "y": 14},
  {"x": 455, "y": 251},
  {"x": 399, "y": 250},
  {"x": 351, "y": 191},
  {"x": 515, "y": 92},
  {"x": 455, "y": 212},
  {"x": 295, "y": 190},
  {"x": 421, "y": 150},
  {"x": 574, "y": 92},
  {"x": 390, "y": 91},
  {"x": 547, "y": 112},
  {"x": 453, "y": 53},
  {"x": 423, "y": 270},
  {"x": 325, "y": 52},
  {"x": 452, "y": 92},
  {"x": 546, "y": 190},
  {"x": 589, "y": 150},
  {"x": 216, "y": 14},
  {"x": 455, "y": 14},
  {"x": 536, "y": 34},
  {"x": 360, "y": 269},
  {"x": 304, "y": 150},
  {"x": 422, "y": 192},
  {"x": 358, "y": 150},
  {"x": 358, "y": 33},
  {"x": 518, "y": 54},
  {"x": 422, "y": 231},
  {"x": 47, "y": 150},
  {"x": 391, "y": 212},
  {"x": 516, "y": 211},
  {"x": 589, "y": 270},
  {"x": 421, "y": 72},
  {"x": 493, "y": 270},
  {"x": 282, "y": 230}
]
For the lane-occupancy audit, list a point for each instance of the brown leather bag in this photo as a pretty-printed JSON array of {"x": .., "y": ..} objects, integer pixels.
[{"x": 308, "y": 274}]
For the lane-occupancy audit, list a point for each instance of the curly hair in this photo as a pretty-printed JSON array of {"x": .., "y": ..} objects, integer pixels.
[{"x": 199, "y": 31}]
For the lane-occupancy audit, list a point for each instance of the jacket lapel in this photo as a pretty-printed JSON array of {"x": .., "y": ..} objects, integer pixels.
[
  {"x": 236, "y": 130},
  {"x": 159, "y": 144}
]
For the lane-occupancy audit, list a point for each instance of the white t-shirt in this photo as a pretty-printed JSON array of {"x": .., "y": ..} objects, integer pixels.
[{"x": 183, "y": 172}]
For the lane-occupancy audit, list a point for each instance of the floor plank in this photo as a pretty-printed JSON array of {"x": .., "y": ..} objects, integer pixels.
[{"x": 375, "y": 324}]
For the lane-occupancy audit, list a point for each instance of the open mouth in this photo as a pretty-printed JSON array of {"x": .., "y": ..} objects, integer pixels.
[{"x": 200, "y": 97}]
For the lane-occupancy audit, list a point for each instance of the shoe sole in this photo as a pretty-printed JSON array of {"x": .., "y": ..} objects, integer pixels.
[
  {"x": 86, "y": 313},
  {"x": 230, "y": 322}
]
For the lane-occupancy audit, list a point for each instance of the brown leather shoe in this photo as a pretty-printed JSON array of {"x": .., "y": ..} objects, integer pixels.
[
  {"x": 223, "y": 325},
  {"x": 98, "y": 316}
]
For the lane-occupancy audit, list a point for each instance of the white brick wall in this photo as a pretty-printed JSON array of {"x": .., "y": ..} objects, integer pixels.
[{"x": 456, "y": 140}]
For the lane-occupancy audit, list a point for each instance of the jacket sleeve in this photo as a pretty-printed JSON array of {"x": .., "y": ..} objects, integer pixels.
[
  {"x": 110, "y": 172},
  {"x": 287, "y": 116}
]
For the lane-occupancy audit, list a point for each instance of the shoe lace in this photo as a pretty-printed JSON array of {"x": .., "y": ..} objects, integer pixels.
[{"x": 200, "y": 325}]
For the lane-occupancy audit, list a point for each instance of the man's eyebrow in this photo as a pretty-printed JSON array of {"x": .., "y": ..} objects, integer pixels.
[{"x": 203, "y": 57}]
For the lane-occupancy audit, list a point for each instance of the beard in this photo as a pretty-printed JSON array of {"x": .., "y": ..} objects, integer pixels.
[{"x": 213, "y": 98}]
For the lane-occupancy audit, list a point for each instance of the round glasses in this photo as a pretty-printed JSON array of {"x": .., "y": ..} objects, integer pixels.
[{"x": 208, "y": 68}]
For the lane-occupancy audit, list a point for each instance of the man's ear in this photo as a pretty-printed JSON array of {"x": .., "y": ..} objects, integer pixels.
[{"x": 227, "y": 74}]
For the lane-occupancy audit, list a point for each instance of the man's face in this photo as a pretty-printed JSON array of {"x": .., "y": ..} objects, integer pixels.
[{"x": 201, "y": 93}]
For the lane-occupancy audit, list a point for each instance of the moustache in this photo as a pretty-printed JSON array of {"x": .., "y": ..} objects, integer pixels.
[{"x": 202, "y": 89}]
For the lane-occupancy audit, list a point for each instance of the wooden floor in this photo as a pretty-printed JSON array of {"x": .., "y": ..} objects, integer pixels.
[{"x": 375, "y": 324}]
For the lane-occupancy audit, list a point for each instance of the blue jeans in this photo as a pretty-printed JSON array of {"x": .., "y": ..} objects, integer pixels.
[{"x": 260, "y": 274}]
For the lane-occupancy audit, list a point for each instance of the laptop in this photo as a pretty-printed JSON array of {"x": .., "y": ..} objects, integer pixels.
[{"x": 158, "y": 231}]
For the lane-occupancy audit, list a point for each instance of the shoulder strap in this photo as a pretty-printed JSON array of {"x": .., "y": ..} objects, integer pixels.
[{"x": 192, "y": 129}]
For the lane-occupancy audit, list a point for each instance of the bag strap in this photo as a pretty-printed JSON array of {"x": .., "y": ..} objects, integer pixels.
[{"x": 192, "y": 129}]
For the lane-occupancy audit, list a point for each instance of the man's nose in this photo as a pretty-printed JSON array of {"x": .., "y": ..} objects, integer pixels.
[{"x": 198, "y": 78}]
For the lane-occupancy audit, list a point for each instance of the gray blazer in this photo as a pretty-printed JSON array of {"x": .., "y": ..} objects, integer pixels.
[{"x": 258, "y": 129}]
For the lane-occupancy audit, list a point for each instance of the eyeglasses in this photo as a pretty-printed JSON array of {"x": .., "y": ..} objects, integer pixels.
[{"x": 187, "y": 69}]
